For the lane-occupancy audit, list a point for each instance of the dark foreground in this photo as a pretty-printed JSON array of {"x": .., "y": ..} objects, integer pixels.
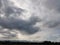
[{"x": 28, "y": 43}]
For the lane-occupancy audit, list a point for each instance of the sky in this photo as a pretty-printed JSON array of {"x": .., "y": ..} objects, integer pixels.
[{"x": 30, "y": 20}]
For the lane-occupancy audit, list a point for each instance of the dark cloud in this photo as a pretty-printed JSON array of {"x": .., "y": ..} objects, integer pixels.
[
  {"x": 9, "y": 10},
  {"x": 13, "y": 10},
  {"x": 52, "y": 24},
  {"x": 8, "y": 35},
  {"x": 12, "y": 19},
  {"x": 20, "y": 24},
  {"x": 0, "y": 3}
]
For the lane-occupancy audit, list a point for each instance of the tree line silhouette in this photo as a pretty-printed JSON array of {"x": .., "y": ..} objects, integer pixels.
[{"x": 28, "y": 43}]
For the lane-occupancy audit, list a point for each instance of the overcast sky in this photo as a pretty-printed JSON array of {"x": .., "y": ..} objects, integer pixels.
[{"x": 30, "y": 20}]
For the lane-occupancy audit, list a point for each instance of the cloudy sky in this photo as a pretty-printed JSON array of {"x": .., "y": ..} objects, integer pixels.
[{"x": 30, "y": 20}]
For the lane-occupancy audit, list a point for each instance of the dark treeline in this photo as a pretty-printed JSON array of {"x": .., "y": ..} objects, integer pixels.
[{"x": 28, "y": 43}]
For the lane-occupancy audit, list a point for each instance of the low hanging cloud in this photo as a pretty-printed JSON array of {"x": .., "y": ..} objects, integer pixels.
[
  {"x": 15, "y": 23},
  {"x": 12, "y": 23},
  {"x": 37, "y": 19}
]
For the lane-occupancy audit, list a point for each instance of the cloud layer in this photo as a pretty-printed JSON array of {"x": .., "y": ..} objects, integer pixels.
[{"x": 34, "y": 20}]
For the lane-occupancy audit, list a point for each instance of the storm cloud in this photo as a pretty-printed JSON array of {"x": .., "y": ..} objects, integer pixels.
[
  {"x": 34, "y": 20},
  {"x": 14, "y": 23}
]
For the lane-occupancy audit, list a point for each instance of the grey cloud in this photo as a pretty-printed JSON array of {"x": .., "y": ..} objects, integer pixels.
[
  {"x": 48, "y": 20},
  {"x": 8, "y": 35},
  {"x": 52, "y": 21},
  {"x": 53, "y": 4},
  {"x": 9, "y": 10},
  {"x": 0, "y": 3},
  {"x": 20, "y": 24},
  {"x": 13, "y": 23},
  {"x": 53, "y": 15},
  {"x": 13, "y": 10},
  {"x": 52, "y": 24}
]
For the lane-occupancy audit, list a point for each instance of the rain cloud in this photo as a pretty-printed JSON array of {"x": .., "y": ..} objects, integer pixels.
[{"x": 36, "y": 20}]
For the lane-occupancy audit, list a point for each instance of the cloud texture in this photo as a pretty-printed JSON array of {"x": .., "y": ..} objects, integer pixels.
[{"x": 34, "y": 20}]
